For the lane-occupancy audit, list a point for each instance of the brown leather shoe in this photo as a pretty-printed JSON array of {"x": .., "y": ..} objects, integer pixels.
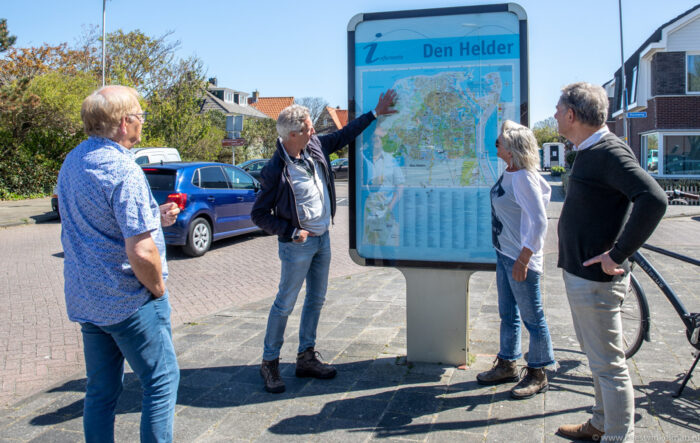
[
  {"x": 585, "y": 431},
  {"x": 534, "y": 382},
  {"x": 270, "y": 372},
  {"x": 308, "y": 365},
  {"x": 503, "y": 371}
]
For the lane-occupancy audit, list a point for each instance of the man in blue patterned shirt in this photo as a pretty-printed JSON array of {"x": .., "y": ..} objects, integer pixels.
[{"x": 115, "y": 269}]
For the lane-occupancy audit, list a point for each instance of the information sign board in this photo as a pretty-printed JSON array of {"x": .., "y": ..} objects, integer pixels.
[
  {"x": 420, "y": 179},
  {"x": 636, "y": 115}
]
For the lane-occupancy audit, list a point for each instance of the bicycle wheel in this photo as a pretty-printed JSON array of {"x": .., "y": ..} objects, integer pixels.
[{"x": 634, "y": 310}]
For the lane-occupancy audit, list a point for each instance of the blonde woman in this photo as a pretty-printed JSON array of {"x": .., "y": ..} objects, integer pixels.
[{"x": 519, "y": 223}]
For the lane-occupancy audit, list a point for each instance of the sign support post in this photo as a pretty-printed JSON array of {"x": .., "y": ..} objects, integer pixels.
[{"x": 437, "y": 315}]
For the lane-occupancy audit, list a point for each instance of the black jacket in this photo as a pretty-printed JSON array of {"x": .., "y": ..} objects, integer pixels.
[
  {"x": 606, "y": 180},
  {"x": 275, "y": 209}
]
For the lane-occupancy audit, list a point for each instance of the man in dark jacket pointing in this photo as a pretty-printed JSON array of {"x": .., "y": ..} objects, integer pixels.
[{"x": 297, "y": 202}]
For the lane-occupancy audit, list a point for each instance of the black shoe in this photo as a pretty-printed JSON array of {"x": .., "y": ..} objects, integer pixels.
[
  {"x": 308, "y": 365},
  {"x": 270, "y": 372}
]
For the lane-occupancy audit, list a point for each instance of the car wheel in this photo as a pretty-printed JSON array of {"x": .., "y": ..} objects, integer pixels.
[{"x": 198, "y": 238}]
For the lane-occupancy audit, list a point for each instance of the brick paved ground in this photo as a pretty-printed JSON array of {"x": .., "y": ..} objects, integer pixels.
[
  {"x": 39, "y": 346},
  {"x": 42, "y": 347},
  {"x": 377, "y": 395}
]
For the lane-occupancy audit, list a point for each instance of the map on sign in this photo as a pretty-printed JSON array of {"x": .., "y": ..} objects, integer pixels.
[{"x": 424, "y": 174}]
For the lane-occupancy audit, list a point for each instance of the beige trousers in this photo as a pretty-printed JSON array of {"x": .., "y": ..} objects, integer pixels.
[{"x": 595, "y": 309}]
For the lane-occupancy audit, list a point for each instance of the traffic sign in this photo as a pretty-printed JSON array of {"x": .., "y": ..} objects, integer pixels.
[
  {"x": 227, "y": 142},
  {"x": 637, "y": 115}
]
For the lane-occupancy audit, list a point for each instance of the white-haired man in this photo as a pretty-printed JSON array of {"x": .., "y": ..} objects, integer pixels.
[
  {"x": 297, "y": 202},
  {"x": 115, "y": 269},
  {"x": 595, "y": 240}
]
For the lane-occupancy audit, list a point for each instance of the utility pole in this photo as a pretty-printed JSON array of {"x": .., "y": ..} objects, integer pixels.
[
  {"x": 624, "y": 80},
  {"x": 104, "y": 15}
]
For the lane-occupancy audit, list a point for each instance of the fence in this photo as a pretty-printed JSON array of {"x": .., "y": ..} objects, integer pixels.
[{"x": 684, "y": 201}]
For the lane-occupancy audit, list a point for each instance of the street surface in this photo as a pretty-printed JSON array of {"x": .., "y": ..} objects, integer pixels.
[
  {"x": 220, "y": 302},
  {"x": 42, "y": 347}
]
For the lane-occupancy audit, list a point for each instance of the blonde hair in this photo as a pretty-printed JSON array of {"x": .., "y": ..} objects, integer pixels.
[
  {"x": 521, "y": 142},
  {"x": 102, "y": 111}
]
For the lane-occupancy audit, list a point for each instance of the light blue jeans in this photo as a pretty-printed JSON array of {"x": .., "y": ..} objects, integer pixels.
[
  {"x": 522, "y": 299},
  {"x": 308, "y": 261},
  {"x": 145, "y": 340}
]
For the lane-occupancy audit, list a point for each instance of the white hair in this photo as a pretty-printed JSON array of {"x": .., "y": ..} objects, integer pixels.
[{"x": 292, "y": 119}]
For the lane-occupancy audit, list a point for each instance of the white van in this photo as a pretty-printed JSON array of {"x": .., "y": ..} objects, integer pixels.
[{"x": 145, "y": 156}]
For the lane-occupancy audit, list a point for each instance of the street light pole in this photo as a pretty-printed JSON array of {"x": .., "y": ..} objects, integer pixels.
[
  {"x": 104, "y": 15},
  {"x": 624, "y": 80}
]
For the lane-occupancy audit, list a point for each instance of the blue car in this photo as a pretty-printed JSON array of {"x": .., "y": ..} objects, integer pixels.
[{"x": 215, "y": 201}]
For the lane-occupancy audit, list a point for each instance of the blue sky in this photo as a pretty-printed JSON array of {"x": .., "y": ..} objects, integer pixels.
[{"x": 284, "y": 48}]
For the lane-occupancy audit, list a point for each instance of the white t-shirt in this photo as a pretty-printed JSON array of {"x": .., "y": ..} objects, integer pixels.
[{"x": 519, "y": 219}]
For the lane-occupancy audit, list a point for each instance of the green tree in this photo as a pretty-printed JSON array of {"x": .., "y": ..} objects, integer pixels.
[
  {"x": 39, "y": 124},
  {"x": 6, "y": 40},
  {"x": 546, "y": 132},
  {"x": 174, "y": 115},
  {"x": 133, "y": 58},
  {"x": 261, "y": 139}
]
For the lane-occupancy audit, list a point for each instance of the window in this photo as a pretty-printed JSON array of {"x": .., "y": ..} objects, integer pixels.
[
  {"x": 650, "y": 145},
  {"x": 235, "y": 98},
  {"x": 633, "y": 89},
  {"x": 160, "y": 180},
  {"x": 239, "y": 179},
  {"x": 212, "y": 177},
  {"x": 693, "y": 74},
  {"x": 142, "y": 160},
  {"x": 681, "y": 154}
]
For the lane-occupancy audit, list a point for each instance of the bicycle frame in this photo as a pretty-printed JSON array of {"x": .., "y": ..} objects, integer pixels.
[
  {"x": 686, "y": 317},
  {"x": 690, "y": 320}
]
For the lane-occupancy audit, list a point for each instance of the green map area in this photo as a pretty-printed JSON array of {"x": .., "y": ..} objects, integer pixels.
[{"x": 438, "y": 136}]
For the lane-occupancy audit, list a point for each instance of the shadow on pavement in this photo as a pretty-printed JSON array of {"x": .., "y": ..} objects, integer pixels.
[{"x": 397, "y": 401}]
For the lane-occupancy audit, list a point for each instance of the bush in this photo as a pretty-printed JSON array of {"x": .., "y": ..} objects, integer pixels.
[{"x": 556, "y": 171}]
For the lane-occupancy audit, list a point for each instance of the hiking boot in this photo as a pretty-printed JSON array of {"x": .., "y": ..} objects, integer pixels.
[
  {"x": 534, "y": 382},
  {"x": 585, "y": 431},
  {"x": 270, "y": 372},
  {"x": 308, "y": 365},
  {"x": 503, "y": 371}
]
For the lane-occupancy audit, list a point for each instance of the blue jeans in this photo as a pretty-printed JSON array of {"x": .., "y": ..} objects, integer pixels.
[
  {"x": 518, "y": 300},
  {"x": 308, "y": 261},
  {"x": 145, "y": 340}
]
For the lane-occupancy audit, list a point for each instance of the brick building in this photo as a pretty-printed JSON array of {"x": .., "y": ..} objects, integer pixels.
[{"x": 663, "y": 79}]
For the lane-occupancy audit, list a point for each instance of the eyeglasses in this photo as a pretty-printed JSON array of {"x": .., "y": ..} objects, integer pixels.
[{"x": 141, "y": 116}]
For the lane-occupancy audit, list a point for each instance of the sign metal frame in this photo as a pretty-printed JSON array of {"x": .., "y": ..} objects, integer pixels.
[{"x": 523, "y": 107}]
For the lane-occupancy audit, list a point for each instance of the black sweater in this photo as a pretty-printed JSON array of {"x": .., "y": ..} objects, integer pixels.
[{"x": 605, "y": 181}]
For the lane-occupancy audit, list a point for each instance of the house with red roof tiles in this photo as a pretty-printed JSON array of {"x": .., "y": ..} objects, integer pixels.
[
  {"x": 331, "y": 119},
  {"x": 270, "y": 106}
]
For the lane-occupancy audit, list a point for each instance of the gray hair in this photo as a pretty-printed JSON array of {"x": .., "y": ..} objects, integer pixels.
[
  {"x": 521, "y": 142},
  {"x": 103, "y": 110},
  {"x": 292, "y": 119},
  {"x": 589, "y": 103}
]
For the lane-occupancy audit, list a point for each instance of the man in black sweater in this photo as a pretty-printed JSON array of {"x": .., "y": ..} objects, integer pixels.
[{"x": 595, "y": 239}]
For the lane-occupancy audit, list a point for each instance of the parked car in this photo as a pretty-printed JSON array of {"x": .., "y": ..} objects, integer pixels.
[
  {"x": 215, "y": 201},
  {"x": 144, "y": 156},
  {"x": 339, "y": 168},
  {"x": 253, "y": 167}
]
